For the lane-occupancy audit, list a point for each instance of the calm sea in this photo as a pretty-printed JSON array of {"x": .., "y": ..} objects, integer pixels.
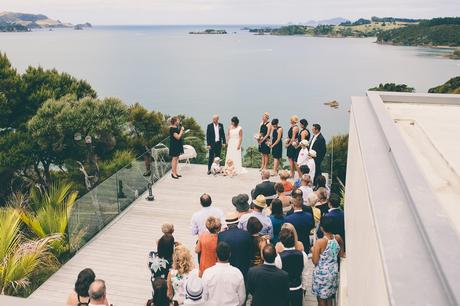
[{"x": 166, "y": 69}]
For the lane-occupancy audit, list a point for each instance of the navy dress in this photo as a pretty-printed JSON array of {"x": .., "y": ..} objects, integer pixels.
[
  {"x": 292, "y": 152},
  {"x": 306, "y": 137},
  {"x": 176, "y": 147},
  {"x": 263, "y": 147},
  {"x": 277, "y": 150}
]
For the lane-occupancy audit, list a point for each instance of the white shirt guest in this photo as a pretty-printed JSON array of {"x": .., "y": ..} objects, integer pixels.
[
  {"x": 216, "y": 132},
  {"x": 199, "y": 218}
]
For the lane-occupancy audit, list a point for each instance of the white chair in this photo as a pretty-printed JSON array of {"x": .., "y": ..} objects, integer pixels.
[{"x": 189, "y": 153}]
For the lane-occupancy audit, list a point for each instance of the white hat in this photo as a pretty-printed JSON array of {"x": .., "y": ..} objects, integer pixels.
[
  {"x": 194, "y": 288},
  {"x": 312, "y": 153}
]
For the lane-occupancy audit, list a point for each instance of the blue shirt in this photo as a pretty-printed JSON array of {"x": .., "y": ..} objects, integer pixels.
[
  {"x": 277, "y": 222},
  {"x": 267, "y": 226}
]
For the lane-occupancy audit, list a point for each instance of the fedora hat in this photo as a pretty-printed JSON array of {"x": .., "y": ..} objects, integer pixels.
[
  {"x": 194, "y": 288},
  {"x": 231, "y": 217},
  {"x": 260, "y": 201},
  {"x": 241, "y": 202}
]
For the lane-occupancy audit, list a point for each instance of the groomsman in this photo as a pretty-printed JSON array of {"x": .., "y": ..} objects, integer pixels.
[
  {"x": 318, "y": 144},
  {"x": 215, "y": 138}
]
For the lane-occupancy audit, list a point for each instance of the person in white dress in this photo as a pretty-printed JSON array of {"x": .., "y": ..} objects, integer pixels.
[{"x": 235, "y": 138}]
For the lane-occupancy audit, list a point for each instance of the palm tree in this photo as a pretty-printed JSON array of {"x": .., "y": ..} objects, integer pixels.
[{"x": 20, "y": 258}]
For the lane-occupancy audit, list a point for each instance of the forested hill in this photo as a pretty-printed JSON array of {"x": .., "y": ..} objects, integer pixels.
[{"x": 434, "y": 32}]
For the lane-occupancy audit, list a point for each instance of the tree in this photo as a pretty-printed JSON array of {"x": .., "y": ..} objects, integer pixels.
[
  {"x": 393, "y": 87},
  {"x": 338, "y": 145},
  {"x": 10, "y": 93}
]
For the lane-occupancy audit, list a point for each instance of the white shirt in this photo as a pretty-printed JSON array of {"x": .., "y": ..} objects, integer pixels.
[
  {"x": 306, "y": 190},
  {"x": 223, "y": 285},
  {"x": 313, "y": 140},
  {"x": 216, "y": 132},
  {"x": 303, "y": 156},
  {"x": 311, "y": 165},
  {"x": 267, "y": 226},
  {"x": 198, "y": 223},
  {"x": 305, "y": 277}
]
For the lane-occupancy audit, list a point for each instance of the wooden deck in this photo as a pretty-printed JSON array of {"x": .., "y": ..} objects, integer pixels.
[{"x": 118, "y": 254}]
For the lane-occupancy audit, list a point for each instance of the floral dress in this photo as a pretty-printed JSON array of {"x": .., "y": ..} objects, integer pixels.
[
  {"x": 158, "y": 266},
  {"x": 178, "y": 282},
  {"x": 326, "y": 273}
]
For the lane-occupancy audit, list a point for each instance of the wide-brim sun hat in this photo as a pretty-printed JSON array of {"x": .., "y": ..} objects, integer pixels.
[
  {"x": 231, "y": 217},
  {"x": 260, "y": 201}
]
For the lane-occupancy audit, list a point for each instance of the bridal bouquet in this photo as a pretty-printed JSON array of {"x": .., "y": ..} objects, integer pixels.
[{"x": 257, "y": 137}]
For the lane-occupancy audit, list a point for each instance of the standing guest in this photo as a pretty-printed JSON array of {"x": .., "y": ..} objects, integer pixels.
[
  {"x": 305, "y": 186},
  {"x": 259, "y": 204},
  {"x": 323, "y": 203},
  {"x": 302, "y": 220},
  {"x": 98, "y": 293},
  {"x": 160, "y": 261},
  {"x": 224, "y": 284},
  {"x": 295, "y": 263},
  {"x": 241, "y": 203},
  {"x": 277, "y": 145},
  {"x": 277, "y": 218},
  {"x": 320, "y": 182},
  {"x": 240, "y": 243},
  {"x": 265, "y": 188},
  {"x": 182, "y": 269},
  {"x": 306, "y": 157},
  {"x": 337, "y": 216},
  {"x": 304, "y": 132},
  {"x": 297, "y": 244},
  {"x": 285, "y": 199},
  {"x": 176, "y": 145},
  {"x": 288, "y": 186},
  {"x": 325, "y": 258},
  {"x": 194, "y": 291},
  {"x": 318, "y": 144},
  {"x": 303, "y": 155},
  {"x": 258, "y": 241},
  {"x": 80, "y": 295},
  {"x": 268, "y": 285},
  {"x": 215, "y": 139},
  {"x": 292, "y": 143},
  {"x": 160, "y": 293},
  {"x": 311, "y": 202},
  {"x": 199, "y": 218},
  {"x": 304, "y": 169},
  {"x": 207, "y": 244},
  {"x": 264, "y": 140}
]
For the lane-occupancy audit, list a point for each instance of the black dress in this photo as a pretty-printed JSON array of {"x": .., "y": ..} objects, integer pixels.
[
  {"x": 306, "y": 137},
  {"x": 263, "y": 147},
  {"x": 277, "y": 150},
  {"x": 292, "y": 152},
  {"x": 176, "y": 147}
]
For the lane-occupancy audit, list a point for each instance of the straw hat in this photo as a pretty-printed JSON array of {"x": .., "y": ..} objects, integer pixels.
[
  {"x": 232, "y": 217},
  {"x": 260, "y": 201}
]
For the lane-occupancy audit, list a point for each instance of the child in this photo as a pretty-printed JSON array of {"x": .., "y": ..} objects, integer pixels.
[
  {"x": 230, "y": 168},
  {"x": 216, "y": 168},
  {"x": 303, "y": 155},
  {"x": 305, "y": 186}
]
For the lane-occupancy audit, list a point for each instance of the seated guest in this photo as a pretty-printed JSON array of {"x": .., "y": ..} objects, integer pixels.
[
  {"x": 182, "y": 269},
  {"x": 277, "y": 218},
  {"x": 240, "y": 243},
  {"x": 323, "y": 203},
  {"x": 325, "y": 258},
  {"x": 199, "y": 218},
  {"x": 257, "y": 241},
  {"x": 97, "y": 293},
  {"x": 303, "y": 170},
  {"x": 320, "y": 181},
  {"x": 311, "y": 202},
  {"x": 337, "y": 216},
  {"x": 268, "y": 285},
  {"x": 160, "y": 261},
  {"x": 302, "y": 220},
  {"x": 80, "y": 295},
  {"x": 266, "y": 188},
  {"x": 259, "y": 204},
  {"x": 298, "y": 245},
  {"x": 224, "y": 284},
  {"x": 194, "y": 291},
  {"x": 285, "y": 199},
  {"x": 284, "y": 175},
  {"x": 159, "y": 296},
  {"x": 295, "y": 263},
  {"x": 207, "y": 244},
  {"x": 305, "y": 186},
  {"x": 241, "y": 203}
]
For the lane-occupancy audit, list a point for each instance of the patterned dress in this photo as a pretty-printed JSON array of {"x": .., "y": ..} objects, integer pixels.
[
  {"x": 326, "y": 273},
  {"x": 178, "y": 283}
]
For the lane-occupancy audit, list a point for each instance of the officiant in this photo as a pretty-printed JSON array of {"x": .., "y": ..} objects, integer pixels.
[{"x": 215, "y": 139}]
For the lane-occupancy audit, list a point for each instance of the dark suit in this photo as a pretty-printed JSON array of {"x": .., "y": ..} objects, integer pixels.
[
  {"x": 303, "y": 222},
  {"x": 268, "y": 285},
  {"x": 240, "y": 245},
  {"x": 320, "y": 147},
  {"x": 265, "y": 188},
  {"x": 339, "y": 222},
  {"x": 215, "y": 146}
]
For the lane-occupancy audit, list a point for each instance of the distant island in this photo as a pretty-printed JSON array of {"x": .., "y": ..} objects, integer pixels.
[
  {"x": 210, "y": 31},
  {"x": 22, "y": 22}
]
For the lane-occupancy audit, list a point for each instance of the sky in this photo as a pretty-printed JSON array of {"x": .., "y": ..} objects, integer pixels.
[{"x": 136, "y": 12}]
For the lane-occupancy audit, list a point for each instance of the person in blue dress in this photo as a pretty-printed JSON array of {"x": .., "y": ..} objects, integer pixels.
[{"x": 277, "y": 218}]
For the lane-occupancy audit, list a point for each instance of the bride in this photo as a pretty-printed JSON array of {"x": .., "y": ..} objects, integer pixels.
[{"x": 235, "y": 137}]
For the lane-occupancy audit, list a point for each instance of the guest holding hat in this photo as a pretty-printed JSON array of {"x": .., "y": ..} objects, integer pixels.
[
  {"x": 194, "y": 291},
  {"x": 239, "y": 242},
  {"x": 259, "y": 204},
  {"x": 241, "y": 203}
]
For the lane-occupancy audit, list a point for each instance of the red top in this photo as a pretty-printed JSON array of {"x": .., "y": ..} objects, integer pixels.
[
  {"x": 208, "y": 246},
  {"x": 288, "y": 186}
]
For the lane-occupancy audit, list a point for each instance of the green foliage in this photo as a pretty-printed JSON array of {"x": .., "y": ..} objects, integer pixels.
[
  {"x": 393, "y": 87},
  {"x": 10, "y": 93},
  {"x": 292, "y": 30},
  {"x": 120, "y": 159},
  {"x": 452, "y": 86},
  {"x": 423, "y": 35},
  {"x": 323, "y": 29},
  {"x": 13, "y": 27},
  {"x": 337, "y": 150},
  {"x": 440, "y": 21}
]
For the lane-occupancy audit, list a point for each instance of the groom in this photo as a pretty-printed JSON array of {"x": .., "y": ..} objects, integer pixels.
[{"x": 215, "y": 138}]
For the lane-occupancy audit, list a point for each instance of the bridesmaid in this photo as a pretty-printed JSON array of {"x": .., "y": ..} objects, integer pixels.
[
  {"x": 304, "y": 132},
  {"x": 292, "y": 144},
  {"x": 264, "y": 139},
  {"x": 277, "y": 145},
  {"x": 176, "y": 144}
]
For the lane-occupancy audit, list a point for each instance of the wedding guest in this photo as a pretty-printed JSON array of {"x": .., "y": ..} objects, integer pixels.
[
  {"x": 318, "y": 144},
  {"x": 302, "y": 220},
  {"x": 320, "y": 182},
  {"x": 199, "y": 218},
  {"x": 268, "y": 285},
  {"x": 258, "y": 241},
  {"x": 160, "y": 293},
  {"x": 176, "y": 145},
  {"x": 241, "y": 203},
  {"x": 304, "y": 132},
  {"x": 306, "y": 157},
  {"x": 97, "y": 293},
  {"x": 182, "y": 269},
  {"x": 295, "y": 263},
  {"x": 326, "y": 252},
  {"x": 215, "y": 139},
  {"x": 277, "y": 218},
  {"x": 285, "y": 199},
  {"x": 305, "y": 186},
  {"x": 277, "y": 144},
  {"x": 160, "y": 261},
  {"x": 264, "y": 140},
  {"x": 259, "y": 205},
  {"x": 265, "y": 188},
  {"x": 207, "y": 244},
  {"x": 297, "y": 244},
  {"x": 240, "y": 243},
  {"x": 80, "y": 294},
  {"x": 304, "y": 169},
  {"x": 337, "y": 216},
  {"x": 288, "y": 186},
  {"x": 292, "y": 143},
  {"x": 323, "y": 203},
  {"x": 312, "y": 199},
  {"x": 224, "y": 284},
  {"x": 194, "y": 291}
]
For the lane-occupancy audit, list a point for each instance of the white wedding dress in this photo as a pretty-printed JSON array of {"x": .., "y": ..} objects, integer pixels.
[{"x": 232, "y": 150}]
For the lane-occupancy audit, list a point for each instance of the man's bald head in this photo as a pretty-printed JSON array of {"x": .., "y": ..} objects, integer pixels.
[
  {"x": 97, "y": 290},
  {"x": 215, "y": 119},
  {"x": 265, "y": 174}
]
